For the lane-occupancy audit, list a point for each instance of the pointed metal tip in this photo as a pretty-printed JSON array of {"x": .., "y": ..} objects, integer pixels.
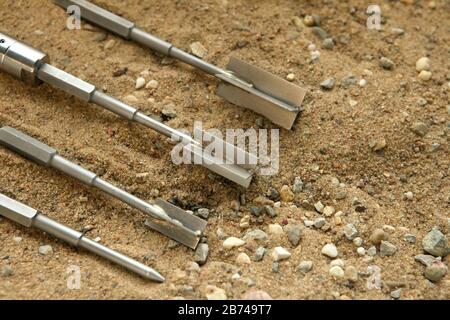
[{"x": 155, "y": 276}]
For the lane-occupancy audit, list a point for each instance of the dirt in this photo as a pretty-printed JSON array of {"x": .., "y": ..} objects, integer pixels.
[{"x": 330, "y": 140}]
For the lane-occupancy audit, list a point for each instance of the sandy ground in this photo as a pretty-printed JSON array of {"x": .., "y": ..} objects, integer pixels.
[{"x": 330, "y": 140}]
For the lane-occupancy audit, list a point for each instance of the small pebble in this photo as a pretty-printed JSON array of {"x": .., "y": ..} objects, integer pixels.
[
  {"x": 436, "y": 271},
  {"x": 337, "y": 262},
  {"x": 279, "y": 253},
  {"x": 425, "y": 75},
  {"x": 198, "y": 49},
  {"x": 46, "y": 250},
  {"x": 361, "y": 251},
  {"x": 387, "y": 248},
  {"x": 436, "y": 243},
  {"x": 275, "y": 229},
  {"x": 256, "y": 234},
  {"x": 152, "y": 84},
  {"x": 257, "y": 296},
  {"x": 243, "y": 259},
  {"x": 409, "y": 195},
  {"x": 337, "y": 272},
  {"x": 362, "y": 83},
  {"x": 330, "y": 250},
  {"x": 109, "y": 44},
  {"x": 410, "y": 238},
  {"x": 358, "y": 241},
  {"x": 290, "y": 77},
  {"x": 203, "y": 213},
  {"x": 319, "y": 206},
  {"x": 201, "y": 253},
  {"x": 233, "y": 242},
  {"x": 386, "y": 64},
  {"x": 378, "y": 235},
  {"x": 396, "y": 294},
  {"x": 419, "y": 128},
  {"x": 286, "y": 194},
  {"x": 297, "y": 187},
  {"x": 328, "y": 211},
  {"x": 423, "y": 64},
  {"x": 130, "y": 99},
  {"x": 17, "y": 239},
  {"x": 140, "y": 83},
  {"x": 294, "y": 233},
  {"x": 328, "y": 83},
  {"x": 215, "y": 293},
  {"x": 319, "y": 222},
  {"x": 259, "y": 254},
  {"x": 350, "y": 231},
  {"x": 305, "y": 266},
  {"x": 328, "y": 43},
  {"x": 372, "y": 251},
  {"x": 309, "y": 21},
  {"x": 425, "y": 259}
]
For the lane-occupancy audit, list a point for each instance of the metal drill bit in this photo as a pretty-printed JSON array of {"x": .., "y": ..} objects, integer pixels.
[
  {"x": 31, "y": 66},
  {"x": 167, "y": 219},
  {"x": 242, "y": 83},
  {"x": 31, "y": 218}
]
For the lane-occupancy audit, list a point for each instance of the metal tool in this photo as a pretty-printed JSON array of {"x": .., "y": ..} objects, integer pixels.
[
  {"x": 242, "y": 83},
  {"x": 31, "y": 218},
  {"x": 167, "y": 218},
  {"x": 31, "y": 66}
]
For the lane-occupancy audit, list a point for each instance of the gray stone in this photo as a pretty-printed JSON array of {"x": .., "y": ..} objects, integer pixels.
[
  {"x": 256, "y": 234},
  {"x": 396, "y": 293},
  {"x": 256, "y": 211},
  {"x": 270, "y": 211},
  {"x": 419, "y": 128},
  {"x": 328, "y": 83},
  {"x": 350, "y": 231},
  {"x": 436, "y": 243},
  {"x": 275, "y": 267},
  {"x": 319, "y": 206},
  {"x": 319, "y": 222},
  {"x": 297, "y": 187},
  {"x": 305, "y": 266},
  {"x": 294, "y": 233},
  {"x": 425, "y": 259},
  {"x": 319, "y": 32},
  {"x": 259, "y": 254},
  {"x": 341, "y": 194},
  {"x": 169, "y": 111},
  {"x": 410, "y": 238},
  {"x": 387, "y": 248},
  {"x": 349, "y": 80},
  {"x": 372, "y": 251},
  {"x": 203, "y": 213},
  {"x": 387, "y": 64},
  {"x": 201, "y": 253},
  {"x": 328, "y": 43}
]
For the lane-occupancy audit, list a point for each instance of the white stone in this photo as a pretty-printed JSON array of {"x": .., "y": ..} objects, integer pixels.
[
  {"x": 330, "y": 250},
  {"x": 130, "y": 99},
  {"x": 362, "y": 83},
  {"x": 243, "y": 259},
  {"x": 361, "y": 251},
  {"x": 425, "y": 75},
  {"x": 275, "y": 229},
  {"x": 233, "y": 242},
  {"x": 110, "y": 44},
  {"x": 17, "y": 239},
  {"x": 140, "y": 83},
  {"x": 312, "y": 47},
  {"x": 152, "y": 84},
  {"x": 423, "y": 64},
  {"x": 337, "y": 272},
  {"x": 46, "y": 250},
  {"x": 280, "y": 253},
  {"x": 198, "y": 49},
  {"x": 337, "y": 262},
  {"x": 290, "y": 77}
]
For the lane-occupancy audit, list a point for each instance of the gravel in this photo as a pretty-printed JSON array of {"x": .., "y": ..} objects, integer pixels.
[
  {"x": 256, "y": 234},
  {"x": 140, "y": 83},
  {"x": 330, "y": 250},
  {"x": 201, "y": 253},
  {"x": 423, "y": 64},
  {"x": 305, "y": 266},
  {"x": 319, "y": 206},
  {"x": 294, "y": 233},
  {"x": 319, "y": 222},
  {"x": 337, "y": 272},
  {"x": 386, "y": 63},
  {"x": 270, "y": 211},
  {"x": 243, "y": 259},
  {"x": 328, "y": 43},
  {"x": 387, "y": 248},
  {"x": 436, "y": 271},
  {"x": 425, "y": 259},
  {"x": 233, "y": 242},
  {"x": 297, "y": 187},
  {"x": 198, "y": 49},
  {"x": 280, "y": 253},
  {"x": 419, "y": 128},
  {"x": 46, "y": 250},
  {"x": 259, "y": 254},
  {"x": 372, "y": 251},
  {"x": 436, "y": 243},
  {"x": 328, "y": 84},
  {"x": 410, "y": 238},
  {"x": 275, "y": 229},
  {"x": 377, "y": 236},
  {"x": 203, "y": 213},
  {"x": 350, "y": 231},
  {"x": 396, "y": 294}
]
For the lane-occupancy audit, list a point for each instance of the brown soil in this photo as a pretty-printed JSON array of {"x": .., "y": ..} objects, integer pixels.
[{"x": 330, "y": 139}]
